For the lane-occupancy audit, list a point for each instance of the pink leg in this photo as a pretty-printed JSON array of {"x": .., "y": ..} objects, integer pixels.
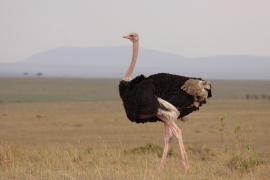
[
  {"x": 178, "y": 134},
  {"x": 168, "y": 114},
  {"x": 167, "y": 138}
]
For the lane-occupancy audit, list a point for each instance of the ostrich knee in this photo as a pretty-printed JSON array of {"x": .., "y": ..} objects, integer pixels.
[{"x": 171, "y": 114}]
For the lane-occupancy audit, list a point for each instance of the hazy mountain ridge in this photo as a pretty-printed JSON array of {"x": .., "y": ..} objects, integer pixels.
[{"x": 112, "y": 62}]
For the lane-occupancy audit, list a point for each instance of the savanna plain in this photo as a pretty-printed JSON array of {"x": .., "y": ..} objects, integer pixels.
[{"x": 57, "y": 128}]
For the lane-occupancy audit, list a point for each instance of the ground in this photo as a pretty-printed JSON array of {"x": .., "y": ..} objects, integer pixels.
[{"x": 77, "y": 129}]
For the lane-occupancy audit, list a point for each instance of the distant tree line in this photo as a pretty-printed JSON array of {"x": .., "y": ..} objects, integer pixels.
[
  {"x": 39, "y": 74},
  {"x": 255, "y": 96}
]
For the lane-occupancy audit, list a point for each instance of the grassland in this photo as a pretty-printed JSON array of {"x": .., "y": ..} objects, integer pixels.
[{"x": 77, "y": 129}]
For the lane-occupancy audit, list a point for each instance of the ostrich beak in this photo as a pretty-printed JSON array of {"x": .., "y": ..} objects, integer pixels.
[{"x": 125, "y": 37}]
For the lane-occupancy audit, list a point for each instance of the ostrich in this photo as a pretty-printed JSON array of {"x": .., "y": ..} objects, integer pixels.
[{"x": 162, "y": 97}]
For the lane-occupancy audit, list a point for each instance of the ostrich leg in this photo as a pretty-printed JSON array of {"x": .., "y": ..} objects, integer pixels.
[
  {"x": 167, "y": 138},
  {"x": 168, "y": 114},
  {"x": 177, "y": 132}
]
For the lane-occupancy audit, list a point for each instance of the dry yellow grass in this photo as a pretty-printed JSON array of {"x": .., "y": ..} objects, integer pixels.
[
  {"x": 92, "y": 140},
  {"x": 72, "y": 162}
]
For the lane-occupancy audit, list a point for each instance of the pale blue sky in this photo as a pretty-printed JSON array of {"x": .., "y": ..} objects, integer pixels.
[{"x": 185, "y": 27}]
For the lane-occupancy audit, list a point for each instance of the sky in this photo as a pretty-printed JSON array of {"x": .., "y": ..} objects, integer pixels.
[{"x": 186, "y": 27}]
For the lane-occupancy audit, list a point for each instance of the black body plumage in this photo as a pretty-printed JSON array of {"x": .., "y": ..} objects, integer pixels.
[{"x": 139, "y": 96}]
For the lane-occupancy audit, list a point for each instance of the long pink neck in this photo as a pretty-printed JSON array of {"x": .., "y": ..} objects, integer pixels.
[{"x": 133, "y": 61}]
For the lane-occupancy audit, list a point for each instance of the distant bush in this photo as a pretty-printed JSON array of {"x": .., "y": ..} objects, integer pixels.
[
  {"x": 25, "y": 73},
  {"x": 263, "y": 96},
  {"x": 255, "y": 96},
  {"x": 38, "y": 116},
  {"x": 39, "y": 74}
]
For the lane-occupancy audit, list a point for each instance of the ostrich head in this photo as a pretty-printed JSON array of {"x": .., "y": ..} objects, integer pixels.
[{"x": 133, "y": 37}]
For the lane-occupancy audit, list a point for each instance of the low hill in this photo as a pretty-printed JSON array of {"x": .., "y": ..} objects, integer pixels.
[{"x": 111, "y": 62}]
